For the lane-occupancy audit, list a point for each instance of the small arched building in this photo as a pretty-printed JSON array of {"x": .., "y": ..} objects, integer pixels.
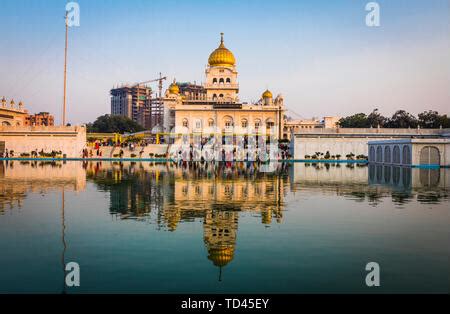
[{"x": 411, "y": 152}]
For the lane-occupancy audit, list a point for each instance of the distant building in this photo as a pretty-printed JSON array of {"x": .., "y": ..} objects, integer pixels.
[
  {"x": 192, "y": 91},
  {"x": 132, "y": 102},
  {"x": 12, "y": 114},
  {"x": 40, "y": 119},
  {"x": 295, "y": 126}
]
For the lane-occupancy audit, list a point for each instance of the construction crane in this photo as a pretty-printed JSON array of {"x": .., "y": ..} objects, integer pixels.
[
  {"x": 160, "y": 80},
  {"x": 154, "y": 116}
]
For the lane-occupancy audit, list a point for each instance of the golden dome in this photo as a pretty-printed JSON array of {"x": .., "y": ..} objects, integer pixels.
[
  {"x": 267, "y": 94},
  {"x": 221, "y": 56},
  {"x": 173, "y": 88},
  {"x": 221, "y": 256}
]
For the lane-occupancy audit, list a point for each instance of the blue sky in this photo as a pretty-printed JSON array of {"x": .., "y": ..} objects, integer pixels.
[{"x": 319, "y": 54}]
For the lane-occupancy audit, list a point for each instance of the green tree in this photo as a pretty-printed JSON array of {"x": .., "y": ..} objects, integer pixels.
[
  {"x": 433, "y": 120},
  {"x": 358, "y": 120},
  {"x": 113, "y": 124},
  {"x": 375, "y": 119},
  {"x": 445, "y": 121},
  {"x": 402, "y": 119}
]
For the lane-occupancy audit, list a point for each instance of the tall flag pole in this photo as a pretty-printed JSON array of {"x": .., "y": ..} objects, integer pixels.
[{"x": 65, "y": 73}]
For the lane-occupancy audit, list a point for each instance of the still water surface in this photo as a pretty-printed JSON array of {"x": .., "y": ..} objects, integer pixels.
[{"x": 236, "y": 228}]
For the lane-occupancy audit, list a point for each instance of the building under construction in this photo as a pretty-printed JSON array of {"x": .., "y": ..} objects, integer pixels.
[
  {"x": 136, "y": 103},
  {"x": 130, "y": 101}
]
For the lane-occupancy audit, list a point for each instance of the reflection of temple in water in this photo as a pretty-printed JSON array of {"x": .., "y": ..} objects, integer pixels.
[
  {"x": 218, "y": 195},
  {"x": 220, "y": 233},
  {"x": 212, "y": 193}
]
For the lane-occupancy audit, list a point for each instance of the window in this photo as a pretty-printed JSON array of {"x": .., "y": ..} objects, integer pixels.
[
  {"x": 257, "y": 123},
  {"x": 198, "y": 124},
  {"x": 228, "y": 80},
  {"x": 244, "y": 123},
  {"x": 185, "y": 123},
  {"x": 214, "y": 80},
  {"x": 221, "y": 81},
  {"x": 210, "y": 122},
  {"x": 228, "y": 122},
  {"x": 221, "y": 96}
]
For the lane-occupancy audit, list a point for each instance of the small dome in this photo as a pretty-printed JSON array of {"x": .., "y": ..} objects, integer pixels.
[
  {"x": 173, "y": 88},
  {"x": 221, "y": 56},
  {"x": 267, "y": 94}
]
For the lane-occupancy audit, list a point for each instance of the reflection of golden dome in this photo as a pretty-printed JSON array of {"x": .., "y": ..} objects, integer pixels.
[
  {"x": 221, "y": 256},
  {"x": 173, "y": 88},
  {"x": 267, "y": 94},
  {"x": 221, "y": 56}
]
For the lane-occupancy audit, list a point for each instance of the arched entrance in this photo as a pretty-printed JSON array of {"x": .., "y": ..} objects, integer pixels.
[
  {"x": 372, "y": 154},
  {"x": 396, "y": 155},
  {"x": 387, "y": 155},
  {"x": 406, "y": 156},
  {"x": 379, "y": 154},
  {"x": 429, "y": 155}
]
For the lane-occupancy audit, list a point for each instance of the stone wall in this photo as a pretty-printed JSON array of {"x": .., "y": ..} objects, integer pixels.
[{"x": 24, "y": 139}]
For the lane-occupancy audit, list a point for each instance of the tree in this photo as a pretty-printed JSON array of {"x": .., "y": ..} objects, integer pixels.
[
  {"x": 358, "y": 120},
  {"x": 375, "y": 119},
  {"x": 432, "y": 120},
  {"x": 445, "y": 121},
  {"x": 402, "y": 119},
  {"x": 113, "y": 124}
]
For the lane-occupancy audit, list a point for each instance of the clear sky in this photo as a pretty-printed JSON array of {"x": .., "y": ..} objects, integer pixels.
[{"x": 318, "y": 53}]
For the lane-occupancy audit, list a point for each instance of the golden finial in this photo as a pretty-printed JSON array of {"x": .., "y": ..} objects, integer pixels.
[{"x": 221, "y": 40}]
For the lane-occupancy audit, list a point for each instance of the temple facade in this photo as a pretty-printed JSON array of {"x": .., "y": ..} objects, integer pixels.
[{"x": 215, "y": 108}]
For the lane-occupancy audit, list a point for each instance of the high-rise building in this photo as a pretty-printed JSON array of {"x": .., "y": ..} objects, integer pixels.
[{"x": 131, "y": 101}]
